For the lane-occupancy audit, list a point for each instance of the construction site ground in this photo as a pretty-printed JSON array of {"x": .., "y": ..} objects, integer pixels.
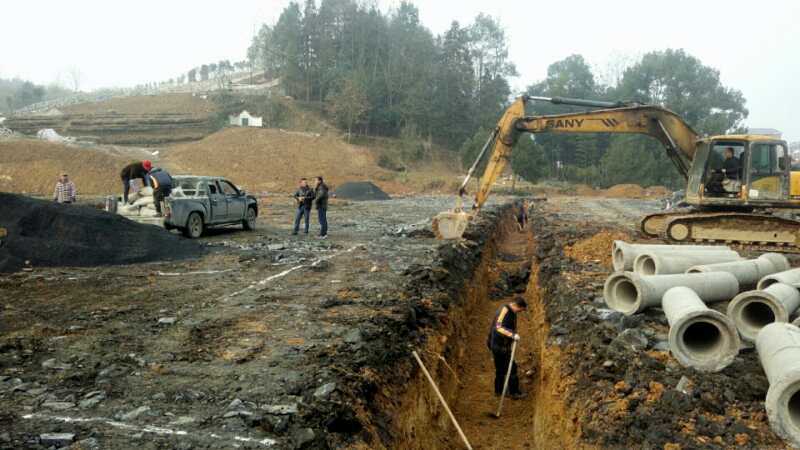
[{"x": 270, "y": 340}]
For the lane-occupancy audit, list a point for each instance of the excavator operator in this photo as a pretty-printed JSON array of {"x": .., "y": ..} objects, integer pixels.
[{"x": 726, "y": 179}]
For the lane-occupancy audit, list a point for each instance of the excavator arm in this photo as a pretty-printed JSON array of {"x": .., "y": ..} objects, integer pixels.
[{"x": 677, "y": 136}]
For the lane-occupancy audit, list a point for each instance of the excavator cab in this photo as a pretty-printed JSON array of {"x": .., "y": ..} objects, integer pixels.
[
  {"x": 761, "y": 177},
  {"x": 724, "y": 172}
]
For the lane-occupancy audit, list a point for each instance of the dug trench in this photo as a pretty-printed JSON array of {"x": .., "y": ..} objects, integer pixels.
[
  {"x": 456, "y": 355},
  {"x": 297, "y": 364},
  {"x": 595, "y": 378}
]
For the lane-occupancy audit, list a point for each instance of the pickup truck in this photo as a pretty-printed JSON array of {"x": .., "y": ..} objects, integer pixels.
[
  {"x": 200, "y": 202},
  {"x": 196, "y": 203}
]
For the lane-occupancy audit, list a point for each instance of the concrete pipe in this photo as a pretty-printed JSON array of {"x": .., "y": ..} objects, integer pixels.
[
  {"x": 630, "y": 293},
  {"x": 778, "y": 346},
  {"x": 651, "y": 263},
  {"x": 623, "y": 254},
  {"x": 750, "y": 271},
  {"x": 791, "y": 276},
  {"x": 753, "y": 310},
  {"x": 699, "y": 337}
]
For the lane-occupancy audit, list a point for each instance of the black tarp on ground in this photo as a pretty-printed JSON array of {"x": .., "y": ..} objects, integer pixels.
[
  {"x": 50, "y": 234},
  {"x": 361, "y": 191}
]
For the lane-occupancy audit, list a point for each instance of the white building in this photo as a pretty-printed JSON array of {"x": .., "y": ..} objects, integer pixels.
[{"x": 244, "y": 119}]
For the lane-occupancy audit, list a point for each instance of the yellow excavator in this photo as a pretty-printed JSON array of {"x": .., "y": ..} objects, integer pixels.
[{"x": 746, "y": 205}]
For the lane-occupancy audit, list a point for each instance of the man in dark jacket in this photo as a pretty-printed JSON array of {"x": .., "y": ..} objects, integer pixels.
[
  {"x": 321, "y": 199},
  {"x": 501, "y": 334},
  {"x": 161, "y": 181},
  {"x": 304, "y": 196},
  {"x": 133, "y": 171}
]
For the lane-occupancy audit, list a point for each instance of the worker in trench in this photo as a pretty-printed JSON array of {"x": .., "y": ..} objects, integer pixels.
[
  {"x": 133, "y": 171},
  {"x": 501, "y": 335}
]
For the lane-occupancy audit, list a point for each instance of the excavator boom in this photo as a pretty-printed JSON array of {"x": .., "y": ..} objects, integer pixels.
[{"x": 678, "y": 138}]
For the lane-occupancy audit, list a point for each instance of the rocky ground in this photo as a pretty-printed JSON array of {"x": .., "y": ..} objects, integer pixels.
[
  {"x": 247, "y": 346},
  {"x": 276, "y": 341}
]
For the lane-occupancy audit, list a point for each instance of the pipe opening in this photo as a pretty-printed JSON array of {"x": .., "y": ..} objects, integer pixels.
[
  {"x": 625, "y": 294},
  {"x": 703, "y": 339},
  {"x": 794, "y": 408},
  {"x": 757, "y": 315},
  {"x": 766, "y": 282},
  {"x": 619, "y": 259},
  {"x": 647, "y": 266}
]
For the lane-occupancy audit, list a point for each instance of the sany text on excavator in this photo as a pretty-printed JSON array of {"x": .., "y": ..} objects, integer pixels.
[{"x": 736, "y": 184}]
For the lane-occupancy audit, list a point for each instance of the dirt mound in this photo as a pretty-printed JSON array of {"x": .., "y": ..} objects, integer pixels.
[
  {"x": 49, "y": 234},
  {"x": 584, "y": 190},
  {"x": 657, "y": 191},
  {"x": 146, "y": 104},
  {"x": 625, "y": 190},
  {"x": 596, "y": 248},
  {"x": 361, "y": 190},
  {"x": 32, "y": 166},
  {"x": 273, "y": 160}
]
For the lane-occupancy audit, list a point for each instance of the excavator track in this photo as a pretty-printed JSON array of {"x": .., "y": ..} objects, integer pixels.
[
  {"x": 763, "y": 232},
  {"x": 654, "y": 225}
]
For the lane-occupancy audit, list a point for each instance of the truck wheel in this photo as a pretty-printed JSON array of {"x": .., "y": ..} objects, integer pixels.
[
  {"x": 249, "y": 222},
  {"x": 194, "y": 226}
]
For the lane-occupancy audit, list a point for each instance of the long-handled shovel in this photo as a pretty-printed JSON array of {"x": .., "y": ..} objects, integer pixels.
[
  {"x": 505, "y": 384},
  {"x": 441, "y": 399}
]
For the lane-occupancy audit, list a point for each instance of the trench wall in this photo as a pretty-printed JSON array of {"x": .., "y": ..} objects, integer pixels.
[{"x": 414, "y": 417}]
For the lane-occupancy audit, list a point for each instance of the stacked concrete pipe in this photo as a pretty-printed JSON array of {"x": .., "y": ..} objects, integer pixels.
[
  {"x": 699, "y": 337},
  {"x": 623, "y": 254},
  {"x": 778, "y": 346},
  {"x": 748, "y": 272},
  {"x": 670, "y": 262},
  {"x": 791, "y": 277},
  {"x": 630, "y": 293},
  {"x": 751, "y": 311}
]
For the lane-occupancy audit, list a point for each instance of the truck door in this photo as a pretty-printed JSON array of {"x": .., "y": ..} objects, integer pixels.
[
  {"x": 234, "y": 199},
  {"x": 769, "y": 171},
  {"x": 219, "y": 207}
]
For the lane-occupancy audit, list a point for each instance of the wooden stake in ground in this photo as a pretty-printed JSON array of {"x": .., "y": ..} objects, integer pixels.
[
  {"x": 441, "y": 399},
  {"x": 508, "y": 375}
]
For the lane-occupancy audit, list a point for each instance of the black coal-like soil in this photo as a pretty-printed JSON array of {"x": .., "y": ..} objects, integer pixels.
[
  {"x": 361, "y": 191},
  {"x": 50, "y": 234}
]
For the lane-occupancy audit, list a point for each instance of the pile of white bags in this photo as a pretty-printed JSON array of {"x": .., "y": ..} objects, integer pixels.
[{"x": 140, "y": 204}]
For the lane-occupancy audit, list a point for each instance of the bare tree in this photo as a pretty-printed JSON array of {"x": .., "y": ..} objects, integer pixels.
[
  {"x": 610, "y": 72},
  {"x": 75, "y": 78}
]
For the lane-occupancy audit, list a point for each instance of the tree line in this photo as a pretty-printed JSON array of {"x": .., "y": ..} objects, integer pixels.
[
  {"x": 670, "y": 78},
  {"x": 387, "y": 74},
  {"x": 16, "y": 93}
]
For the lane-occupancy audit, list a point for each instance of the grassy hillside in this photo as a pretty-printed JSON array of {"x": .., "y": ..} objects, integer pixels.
[{"x": 31, "y": 166}]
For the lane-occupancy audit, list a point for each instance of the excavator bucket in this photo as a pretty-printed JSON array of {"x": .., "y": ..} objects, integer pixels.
[{"x": 450, "y": 224}]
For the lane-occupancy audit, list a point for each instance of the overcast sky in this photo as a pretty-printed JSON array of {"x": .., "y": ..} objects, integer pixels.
[{"x": 755, "y": 45}]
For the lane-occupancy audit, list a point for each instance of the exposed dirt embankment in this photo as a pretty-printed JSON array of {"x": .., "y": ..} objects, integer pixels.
[
  {"x": 611, "y": 378},
  {"x": 394, "y": 405},
  {"x": 453, "y": 304}
]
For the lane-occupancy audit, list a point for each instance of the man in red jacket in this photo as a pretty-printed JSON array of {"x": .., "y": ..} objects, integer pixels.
[{"x": 133, "y": 171}]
